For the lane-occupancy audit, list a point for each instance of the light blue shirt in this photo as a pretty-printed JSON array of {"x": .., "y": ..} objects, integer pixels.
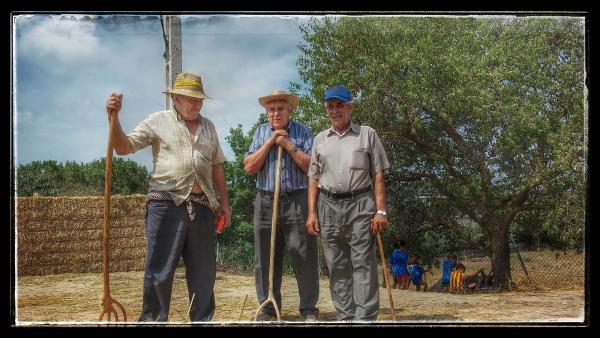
[{"x": 292, "y": 178}]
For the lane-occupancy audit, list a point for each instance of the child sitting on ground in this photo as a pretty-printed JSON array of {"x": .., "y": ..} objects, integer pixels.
[{"x": 458, "y": 279}]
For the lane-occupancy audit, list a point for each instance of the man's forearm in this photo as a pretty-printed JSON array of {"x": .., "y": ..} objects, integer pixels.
[
  {"x": 313, "y": 194},
  {"x": 255, "y": 161},
  {"x": 121, "y": 141},
  {"x": 380, "y": 191},
  {"x": 301, "y": 159}
]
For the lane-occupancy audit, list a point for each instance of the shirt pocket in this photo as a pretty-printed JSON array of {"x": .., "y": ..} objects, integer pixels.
[
  {"x": 203, "y": 155},
  {"x": 359, "y": 158}
]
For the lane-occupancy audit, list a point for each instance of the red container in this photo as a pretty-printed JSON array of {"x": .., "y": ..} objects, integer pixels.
[{"x": 220, "y": 226}]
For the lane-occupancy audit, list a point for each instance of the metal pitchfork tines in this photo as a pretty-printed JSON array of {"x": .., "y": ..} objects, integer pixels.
[
  {"x": 271, "y": 297},
  {"x": 108, "y": 301}
]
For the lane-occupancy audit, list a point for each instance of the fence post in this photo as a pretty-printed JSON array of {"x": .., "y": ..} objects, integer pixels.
[{"x": 520, "y": 259}]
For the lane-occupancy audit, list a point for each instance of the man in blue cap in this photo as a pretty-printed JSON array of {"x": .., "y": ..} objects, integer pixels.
[{"x": 346, "y": 204}]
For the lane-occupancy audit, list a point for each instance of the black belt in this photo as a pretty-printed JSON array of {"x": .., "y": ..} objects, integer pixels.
[
  {"x": 344, "y": 194},
  {"x": 282, "y": 194}
]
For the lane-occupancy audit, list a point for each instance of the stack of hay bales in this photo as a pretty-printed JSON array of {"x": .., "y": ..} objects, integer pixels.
[{"x": 65, "y": 234}]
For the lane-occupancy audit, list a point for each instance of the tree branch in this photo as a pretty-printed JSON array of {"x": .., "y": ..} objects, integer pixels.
[
  {"x": 466, "y": 209},
  {"x": 454, "y": 226}
]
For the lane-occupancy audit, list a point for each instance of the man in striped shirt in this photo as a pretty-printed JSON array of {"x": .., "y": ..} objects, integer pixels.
[{"x": 261, "y": 159}]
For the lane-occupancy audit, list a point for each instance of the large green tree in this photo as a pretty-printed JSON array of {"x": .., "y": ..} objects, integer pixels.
[
  {"x": 488, "y": 112},
  {"x": 240, "y": 186}
]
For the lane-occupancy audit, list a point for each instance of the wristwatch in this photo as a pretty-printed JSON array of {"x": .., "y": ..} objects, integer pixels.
[
  {"x": 295, "y": 149},
  {"x": 382, "y": 213}
]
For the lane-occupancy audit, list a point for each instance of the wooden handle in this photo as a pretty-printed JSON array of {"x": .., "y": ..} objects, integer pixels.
[
  {"x": 107, "y": 177},
  {"x": 385, "y": 275},
  {"x": 274, "y": 216}
]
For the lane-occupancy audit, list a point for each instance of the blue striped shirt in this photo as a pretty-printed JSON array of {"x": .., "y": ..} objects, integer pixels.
[{"x": 292, "y": 178}]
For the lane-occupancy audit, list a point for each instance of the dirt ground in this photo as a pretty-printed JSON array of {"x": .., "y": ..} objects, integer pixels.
[{"x": 74, "y": 299}]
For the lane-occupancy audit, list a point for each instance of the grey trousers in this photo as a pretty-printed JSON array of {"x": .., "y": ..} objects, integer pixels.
[
  {"x": 170, "y": 235},
  {"x": 302, "y": 248},
  {"x": 349, "y": 249}
]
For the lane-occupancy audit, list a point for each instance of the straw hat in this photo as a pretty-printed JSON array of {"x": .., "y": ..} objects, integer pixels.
[
  {"x": 188, "y": 84},
  {"x": 279, "y": 95}
]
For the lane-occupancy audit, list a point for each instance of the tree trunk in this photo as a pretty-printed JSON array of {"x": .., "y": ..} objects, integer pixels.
[{"x": 500, "y": 255}]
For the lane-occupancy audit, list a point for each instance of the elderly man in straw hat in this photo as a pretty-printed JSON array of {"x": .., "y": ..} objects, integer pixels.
[
  {"x": 181, "y": 201},
  {"x": 261, "y": 158},
  {"x": 346, "y": 203}
]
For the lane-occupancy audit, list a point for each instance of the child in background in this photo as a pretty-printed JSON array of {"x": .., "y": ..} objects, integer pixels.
[
  {"x": 447, "y": 267},
  {"x": 418, "y": 274},
  {"x": 459, "y": 281},
  {"x": 398, "y": 261}
]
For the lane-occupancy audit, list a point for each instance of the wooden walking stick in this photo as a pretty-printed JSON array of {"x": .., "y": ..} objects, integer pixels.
[
  {"x": 107, "y": 302},
  {"x": 271, "y": 297},
  {"x": 385, "y": 274}
]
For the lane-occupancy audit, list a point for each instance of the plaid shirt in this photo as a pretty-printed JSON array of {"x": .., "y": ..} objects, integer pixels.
[{"x": 178, "y": 160}]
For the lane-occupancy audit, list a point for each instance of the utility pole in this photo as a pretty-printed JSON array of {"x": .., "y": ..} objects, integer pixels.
[{"x": 172, "y": 54}]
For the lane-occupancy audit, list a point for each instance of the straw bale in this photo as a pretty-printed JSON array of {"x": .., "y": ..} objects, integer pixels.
[
  {"x": 42, "y": 208},
  {"x": 135, "y": 264},
  {"x": 65, "y": 234},
  {"x": 79, "y": 224},
  {"x": 78, "y": 213},
  {"x": 77, "y": 246},
  {"x": 78, "y": 257},
  {"x": 78, "y": 235}
]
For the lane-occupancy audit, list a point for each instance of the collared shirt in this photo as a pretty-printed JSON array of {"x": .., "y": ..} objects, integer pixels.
[
  {"x": 292, "y": 178},
  {"x": 178, "y": 160},
  {"x": 348, "y": 161}
]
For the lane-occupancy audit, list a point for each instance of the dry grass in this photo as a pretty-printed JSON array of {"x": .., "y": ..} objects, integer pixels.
[{"x": 76, "y": 298}]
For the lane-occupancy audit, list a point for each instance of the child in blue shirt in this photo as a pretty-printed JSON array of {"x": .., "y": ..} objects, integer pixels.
[
  {"x": 417, "y": 274},
  {"x": 447, "y": 267},
  {"x": 399, "y": 263}
]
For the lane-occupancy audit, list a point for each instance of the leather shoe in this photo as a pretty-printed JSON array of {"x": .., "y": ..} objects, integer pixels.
[{"x": 310, "y": 317}]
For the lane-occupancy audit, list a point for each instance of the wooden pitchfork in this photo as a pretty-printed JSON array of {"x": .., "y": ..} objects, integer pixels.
[
  {"x": 271, "y": 297},
  {"x": 385, "y": 275},
  {"x": 108, "y": 301}
]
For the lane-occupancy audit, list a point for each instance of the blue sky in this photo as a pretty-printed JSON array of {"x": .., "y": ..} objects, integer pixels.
[{"x": 65, "y": 69}]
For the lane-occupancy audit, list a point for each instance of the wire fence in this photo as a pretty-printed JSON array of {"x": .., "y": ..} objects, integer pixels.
[{"x": 530, "y": 270}]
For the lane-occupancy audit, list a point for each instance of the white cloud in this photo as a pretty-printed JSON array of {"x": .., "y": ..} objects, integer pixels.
[
  {"x": 241, "y": 59},
  {"x": 66, "y": 42},
  {"x": 63, "y": 81}
]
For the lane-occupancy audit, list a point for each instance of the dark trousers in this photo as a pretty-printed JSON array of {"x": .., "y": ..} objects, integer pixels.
[
  {"x": 170, "y": 235},
  {"x": 302, "y": 248}
]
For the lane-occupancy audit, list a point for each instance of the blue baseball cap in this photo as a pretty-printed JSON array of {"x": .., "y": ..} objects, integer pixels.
[{"x": 338, "y": 92}]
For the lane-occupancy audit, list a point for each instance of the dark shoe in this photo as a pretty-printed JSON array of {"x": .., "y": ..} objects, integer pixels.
[{"x": 310, "y": 317}]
